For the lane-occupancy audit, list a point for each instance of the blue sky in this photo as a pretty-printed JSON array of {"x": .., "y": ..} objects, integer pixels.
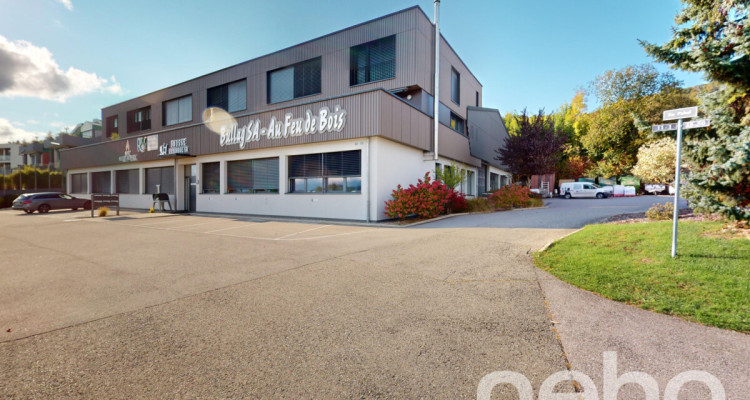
[{"x": 61, "y": 61}]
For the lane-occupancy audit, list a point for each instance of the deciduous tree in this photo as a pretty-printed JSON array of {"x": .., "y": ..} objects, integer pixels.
[
  {"x": 535, "y": 149},
  {"x": 656, "y": 161}
]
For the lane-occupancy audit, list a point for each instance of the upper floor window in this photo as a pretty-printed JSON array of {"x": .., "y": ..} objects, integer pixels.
[
  {"x": 230, "y": 97},
  {"x": 457, "y": 123},
  {"x": 111, "y": 128},
  {"x": 298, "y": 80},
  {"x": 477, "y": 99},
  {"x": 178, "y": 110},
  {"x": 139, "y": 120},
  {"x": 373, "y": 61},
  {"x": 455, "y": 86}
]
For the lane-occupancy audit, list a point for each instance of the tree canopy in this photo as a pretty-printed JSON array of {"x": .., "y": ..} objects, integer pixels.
[
  {"x": 536, "y": 147},
  {"x": 714, "y": 38}
]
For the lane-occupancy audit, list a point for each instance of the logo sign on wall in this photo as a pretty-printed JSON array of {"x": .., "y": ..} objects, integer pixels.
[
  {"x": 147, "y": 143},
  {"x": 311, "y": 124},
  {"x": 127, "y": 157},
  {"x": 177, "y": 146}
]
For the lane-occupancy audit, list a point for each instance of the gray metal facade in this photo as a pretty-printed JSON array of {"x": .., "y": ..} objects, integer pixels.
[{"x": 371, "y": 109}]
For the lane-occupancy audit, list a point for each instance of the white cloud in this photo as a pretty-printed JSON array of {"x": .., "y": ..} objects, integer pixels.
[
  {"x": 30, "y": 71},
  {"x": 67, "y": 3},
  {"x": 32, "y": 121},
  {"x": 10, "y": 133}
]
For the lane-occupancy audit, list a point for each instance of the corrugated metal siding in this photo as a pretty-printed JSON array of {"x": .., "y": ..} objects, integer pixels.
[
  {"x": 413, "y": 67},
  {"x": 373, "y": 113},
  {"x": 456, "y": 146}
]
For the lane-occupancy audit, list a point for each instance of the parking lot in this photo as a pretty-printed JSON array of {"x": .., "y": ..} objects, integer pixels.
[
  {"x": 186, "y": 306},
  {"x": 156, "y": 305}
]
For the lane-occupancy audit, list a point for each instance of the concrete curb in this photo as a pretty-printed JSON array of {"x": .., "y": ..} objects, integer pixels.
[{"x": 546, "y": 246}]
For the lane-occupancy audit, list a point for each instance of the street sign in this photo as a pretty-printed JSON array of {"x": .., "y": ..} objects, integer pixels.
[
  {"x": 664, "y": 128},
  {"x": 680, "y": 113},
  {"x": 696, "y": 123}
]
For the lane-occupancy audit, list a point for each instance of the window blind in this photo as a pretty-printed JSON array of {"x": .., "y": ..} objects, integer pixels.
[{"x": 126, "y": 181}]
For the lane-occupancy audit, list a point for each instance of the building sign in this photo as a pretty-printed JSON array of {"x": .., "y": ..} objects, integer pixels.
[
  {"x": 127, "y": 157},
  {"x": 325, "y": 121},
  {"x": 147, "y": 143},
  {"x": 177, "y": 146}
]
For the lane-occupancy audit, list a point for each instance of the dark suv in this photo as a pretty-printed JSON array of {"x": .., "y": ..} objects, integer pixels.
[{"x": 43, "y": 202}]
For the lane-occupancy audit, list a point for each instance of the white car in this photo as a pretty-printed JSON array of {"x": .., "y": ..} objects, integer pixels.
[{"x": 583, "y": 189}]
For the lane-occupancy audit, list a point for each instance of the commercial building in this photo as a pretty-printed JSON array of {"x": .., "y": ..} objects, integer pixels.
[{"x": 323, "y": 129}]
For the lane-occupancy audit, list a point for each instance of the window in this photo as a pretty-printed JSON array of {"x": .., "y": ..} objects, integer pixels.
[
  {"x": 455, "y": 86},
  {"x": 139, "y": 120},
  {"x": 253, "y": 176},
  {"x": 210, "y": 177},
  {"x": 163, "y": 176},
  {"x": 470, "y": 183},
  {"x": 338, "y": 172},
  {"x": 101, "y": 182},
  {"x": 111, "y": 126},
  {"x": 494, "y": 181},
  {"x": 373, "y": 61},
  {"x": 78, "y": 183},
  {"x": 477, "y": 99},
  {"x": 126, "y": 181},
  {"x": 457, "y": 123},
  {"x": 230, "y": 97},
  {"x": 298, "y": 80},
  {"x": 178, "y": 110}
]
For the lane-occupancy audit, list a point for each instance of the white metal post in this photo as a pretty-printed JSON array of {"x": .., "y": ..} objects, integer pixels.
[{"x": 677, "y": 188}]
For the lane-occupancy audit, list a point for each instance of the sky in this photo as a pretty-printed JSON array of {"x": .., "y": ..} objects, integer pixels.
[{"x": 62, "y": 61}]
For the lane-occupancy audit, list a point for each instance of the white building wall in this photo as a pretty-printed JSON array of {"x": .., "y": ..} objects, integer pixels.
[{"x": 385, "y": 164}]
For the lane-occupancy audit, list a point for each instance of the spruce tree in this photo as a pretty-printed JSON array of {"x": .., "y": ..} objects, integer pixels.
[{"x": 713, "y": 37}]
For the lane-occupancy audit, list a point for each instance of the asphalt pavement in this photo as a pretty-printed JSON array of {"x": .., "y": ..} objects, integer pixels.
[
  {"x": 558, "y": 213},
  {"x": 179, "y": 306}
]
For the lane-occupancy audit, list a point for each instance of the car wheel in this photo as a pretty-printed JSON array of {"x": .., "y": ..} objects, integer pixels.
[
  {"x": 44, "y": 208},
  {"x": 87, "y": 205},
  {"x": 74, "y": 208},
  {"x": 567, "y": 196},
  {"x": 28, "y": 211},
  {"x": 599, "y": 196}
]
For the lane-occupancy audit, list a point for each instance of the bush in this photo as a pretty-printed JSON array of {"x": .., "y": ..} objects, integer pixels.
[
  {"x": 427, "y": 199},
  {"x": 511, "y": 196},
  {"x": 535, "y": 202},
  {"x": 457, "y": 202},
  {"x": 103, "y": 211},
  {"x": 660, "y": 211},
  {"x": 481, "y": 204}
]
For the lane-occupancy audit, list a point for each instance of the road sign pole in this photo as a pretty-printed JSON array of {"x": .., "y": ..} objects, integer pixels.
[{"x": 677, "y": 188}]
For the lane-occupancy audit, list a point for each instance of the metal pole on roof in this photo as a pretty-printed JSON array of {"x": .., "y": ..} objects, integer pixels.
[{"x": 436, "y": 100}]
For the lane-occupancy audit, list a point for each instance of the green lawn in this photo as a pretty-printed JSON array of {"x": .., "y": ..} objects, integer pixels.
[{"x": 709, "y": 282}]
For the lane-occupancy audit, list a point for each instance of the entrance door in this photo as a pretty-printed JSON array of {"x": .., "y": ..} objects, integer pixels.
[{"x": 191, "y": 187}]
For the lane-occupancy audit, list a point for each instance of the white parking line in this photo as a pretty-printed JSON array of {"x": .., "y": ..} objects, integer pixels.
[
  {"x": 176, "y": 228},
  {"x": 226, "y": 229},
  {"x": 297, "y": 233}
]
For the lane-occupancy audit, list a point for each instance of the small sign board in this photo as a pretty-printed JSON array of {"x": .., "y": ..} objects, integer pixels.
[
  {"x": 680, "y": 113},
  {"x": 664, "y": 128},
  {"x": 696, "y": 123}
]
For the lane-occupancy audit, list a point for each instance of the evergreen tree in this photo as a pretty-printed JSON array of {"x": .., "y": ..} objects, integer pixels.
[{"x": 713, "y": 37}]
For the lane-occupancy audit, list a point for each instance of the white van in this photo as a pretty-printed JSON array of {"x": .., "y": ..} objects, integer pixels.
[{"x": 583, "y": 189}]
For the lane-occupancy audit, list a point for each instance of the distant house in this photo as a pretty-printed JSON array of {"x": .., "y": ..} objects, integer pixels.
[{"x": 10, "y": 158}]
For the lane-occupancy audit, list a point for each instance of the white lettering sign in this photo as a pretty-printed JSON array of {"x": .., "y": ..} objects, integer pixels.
[
  {"x": 325, "y": 121},
  {"x": 176, "y": 146}
]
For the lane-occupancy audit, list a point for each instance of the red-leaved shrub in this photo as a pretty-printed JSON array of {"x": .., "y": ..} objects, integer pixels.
[
  {"x": 511, "y": 196},
  {"x": 427, "y": 199},
  {"x": 457, "y": 202}
]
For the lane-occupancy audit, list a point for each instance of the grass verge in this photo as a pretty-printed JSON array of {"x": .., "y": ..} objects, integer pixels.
[{"x": 708, "y": 283}]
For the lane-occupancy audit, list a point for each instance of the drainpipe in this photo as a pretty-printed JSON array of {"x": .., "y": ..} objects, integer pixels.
[{"x": 436, "y": 102}]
